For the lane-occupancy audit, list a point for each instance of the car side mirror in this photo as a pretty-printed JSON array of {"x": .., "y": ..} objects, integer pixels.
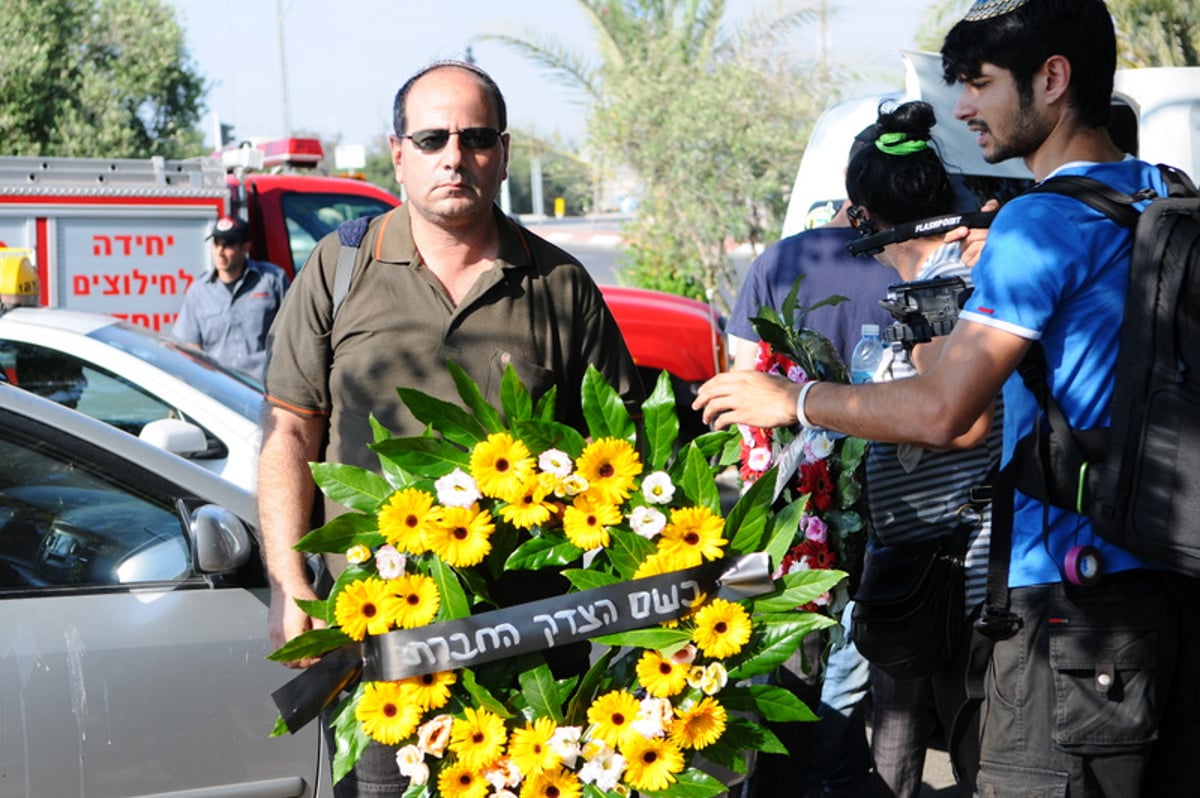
[
  {"x": 175, "y": 435},
  {"x": 220, "y": 540}
]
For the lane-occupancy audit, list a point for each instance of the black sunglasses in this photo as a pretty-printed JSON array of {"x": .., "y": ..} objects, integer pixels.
[{"x": 469, "y": 138}]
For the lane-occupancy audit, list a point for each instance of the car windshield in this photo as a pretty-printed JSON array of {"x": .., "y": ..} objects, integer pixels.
[
  {"x": 311, "y": 216},
  {"x": 232, "y": 389}
]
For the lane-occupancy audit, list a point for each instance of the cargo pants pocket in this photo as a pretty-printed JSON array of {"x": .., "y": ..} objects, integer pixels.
[
  {"x": 1008, "y": 781},
  {"x": 1104, "y": 687}
]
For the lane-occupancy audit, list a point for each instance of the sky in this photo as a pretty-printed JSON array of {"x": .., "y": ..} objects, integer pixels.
[{"x": 344, "y": 61}]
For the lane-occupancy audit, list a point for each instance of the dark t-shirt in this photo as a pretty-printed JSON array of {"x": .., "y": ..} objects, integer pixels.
[{"x": 821, "y": 256}]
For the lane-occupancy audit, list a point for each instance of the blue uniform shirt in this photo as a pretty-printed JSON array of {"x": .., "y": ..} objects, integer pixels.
[{"x": 232, "y": 325}]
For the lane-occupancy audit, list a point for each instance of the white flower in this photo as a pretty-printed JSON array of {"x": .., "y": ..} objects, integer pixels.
[
  {"x": 565, "y": 744},
  {"x": 685, "y": 655},
  {"x": 390, "y": 562},
  {"x": 503, "y": 794},
  {"x": 411, "y": 762},
  {"x": 747, "y": 435},
  {"x": 434, "y": 735},
  {"x": 604, "y": 766},
  {"x": 457, "y": 489},
  {"x": 759, "y": 458},
  {"x": 571, "y": 485},
  {"x": 653, "y": 718},
  {"x": 647, "y": 522},
  {"x": 818, "y": 444},
  {"x": 502, "y": 774},
  {"x": 657, "y": 488},
  {"x": 556, "y": 462},
  {"x": 710, "y": 679}
]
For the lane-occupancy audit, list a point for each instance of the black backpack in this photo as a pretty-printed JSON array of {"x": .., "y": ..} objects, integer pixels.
[{"x": 1138, "y": 480}]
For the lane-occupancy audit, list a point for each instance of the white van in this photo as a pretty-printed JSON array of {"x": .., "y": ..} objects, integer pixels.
[{"x": 1156, "y": 117}]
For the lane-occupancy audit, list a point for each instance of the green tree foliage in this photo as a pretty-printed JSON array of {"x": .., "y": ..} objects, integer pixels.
[
  {"x": 712, "y": 123},
  {"x": 1150, "y": 33},
  {"x": 563, "y": 175},
  {"x": 96, "y": 78}
]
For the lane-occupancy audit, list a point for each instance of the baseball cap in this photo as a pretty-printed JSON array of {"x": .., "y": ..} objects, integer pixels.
[{"x": 230, "y": 230}]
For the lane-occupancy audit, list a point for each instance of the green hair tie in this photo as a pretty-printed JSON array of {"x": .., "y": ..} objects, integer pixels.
[{"x": 898, "y": 143}]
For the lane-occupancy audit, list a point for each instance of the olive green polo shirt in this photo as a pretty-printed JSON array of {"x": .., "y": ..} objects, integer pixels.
[{"x": 536, "y": 308}]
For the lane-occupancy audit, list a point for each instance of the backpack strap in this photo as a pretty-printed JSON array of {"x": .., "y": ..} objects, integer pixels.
[
  {"x": 1116, "y": 205},
  {"x": 350, "y": 235}
]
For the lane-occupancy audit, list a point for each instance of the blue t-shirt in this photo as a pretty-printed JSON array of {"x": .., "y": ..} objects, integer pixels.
[
  {"x": 820, "y": 255},
  {"x": 1056, "y": 271}
]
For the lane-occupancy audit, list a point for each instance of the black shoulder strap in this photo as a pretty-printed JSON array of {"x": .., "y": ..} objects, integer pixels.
[
  {"x": 1102, "y": 197},
  {"x": 350, "y": 236}
]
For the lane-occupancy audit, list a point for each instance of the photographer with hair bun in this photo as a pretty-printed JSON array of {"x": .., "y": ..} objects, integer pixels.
[{"x": 914, "y": 494}]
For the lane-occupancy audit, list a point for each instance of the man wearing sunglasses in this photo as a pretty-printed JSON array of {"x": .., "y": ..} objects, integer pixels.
[{"x": 444, "y": 277}]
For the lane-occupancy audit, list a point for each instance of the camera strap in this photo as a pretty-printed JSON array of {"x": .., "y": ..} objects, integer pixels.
[{"x": 873, "y": 244}]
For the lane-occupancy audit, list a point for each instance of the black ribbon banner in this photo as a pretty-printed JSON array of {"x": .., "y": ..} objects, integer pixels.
[{"x": 520, "y": 629}]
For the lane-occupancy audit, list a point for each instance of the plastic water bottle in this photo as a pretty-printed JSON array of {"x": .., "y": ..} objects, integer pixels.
[{"x": 868, "y": 353}]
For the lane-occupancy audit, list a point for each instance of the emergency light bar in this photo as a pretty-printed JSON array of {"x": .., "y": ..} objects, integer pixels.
[{"x": 294, "y": 152}]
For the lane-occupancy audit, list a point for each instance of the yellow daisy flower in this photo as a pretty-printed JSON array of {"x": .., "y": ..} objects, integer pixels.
[
  {"x": 698, "y": 725},
  {"x": 431, "y": 690},
  {"x": 387, "y": 712},
  {"x": 365, "y": 606},
  {"x": 661, "y": 562},
  {"x": 694, "y": 529},
  {"x": 501, "y": 465},
  {"x": 586, "y": 522},
  {"x": 530, "y": 508},
  {"x": 612, "y": 715},
  {"x": 477, "y": 738},
  {"x": 405, "y": 518},
  {"x": 458, "y": 780},
  {"x": 559, "y": 783},
  {"x": 722, "y": 628},
  {"x": 417, "y": 600},
  {"x": 530, "y": 749},
  {"x": 462, "y": 536},
  {"x": 611, "y": 466},
  {"x": 651, "y": 763},
  {"x": 661, "y": 676}
]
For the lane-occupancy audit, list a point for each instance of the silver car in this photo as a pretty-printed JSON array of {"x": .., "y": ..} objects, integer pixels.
[{"x": 133, "y": 620}]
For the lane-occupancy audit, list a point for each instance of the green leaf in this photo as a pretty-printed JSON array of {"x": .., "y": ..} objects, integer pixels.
[
  {"x": 698, "y": 482},
  {"x": 691, "y": 783},
  {"x": 541, "y": 692},
  {"x": 544, "y": 410},
  {"x": 712, "y": 444},
  {"x": 585, "y": 579},
  {"x": 661, "y": 423},
  {"x": 481, "y": 696},
  {"x": 280, "y": 728},
  {"x": 342, "y": 532},
  {"x": 800, "y": 587},
  {"x": 351, "y": 486},
  {"x": 626, "y": 550},
  {"x": 751, "y": 735},
  {"x": 603, "y": 409},
  {"x": 312, "y": 643},
  {"x": 316, "y": 608},
  {"x": 747, "y": 521},
  {"x": 469, "y": 392},
  {"x": 416, "y": 791},
  {"x": 514, "y": 397},
  {"x": 349, "y": 738},
  {"x": 655, "y": 638},
  {"x": 539, "y": 552},
  {"x": 541, "y": 435},
  {"x": 454, "y": 603},
  {"x": 589, "y": 687},
  {"x": 378, "y": 431},
  {"x": 454, "y": 423},
  {"x": 768, "y": 702},
  {"x": 775, "y": 641},
  {"x": 785, "y": 529},
  {"x": 431, "y": 457}
]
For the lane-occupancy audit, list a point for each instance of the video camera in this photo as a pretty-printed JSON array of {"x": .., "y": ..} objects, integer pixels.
[{"x": 924, "y": 309}]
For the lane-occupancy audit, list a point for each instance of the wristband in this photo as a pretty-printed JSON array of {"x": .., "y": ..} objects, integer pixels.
[{"x": 800, "y": 416}]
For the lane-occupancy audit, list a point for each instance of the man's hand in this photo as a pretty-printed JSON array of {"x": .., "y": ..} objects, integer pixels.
[
  {"x": 972, "y": 238},
  {"x": 747, "y": 397},
  {"x": 286, "y": 620}
]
